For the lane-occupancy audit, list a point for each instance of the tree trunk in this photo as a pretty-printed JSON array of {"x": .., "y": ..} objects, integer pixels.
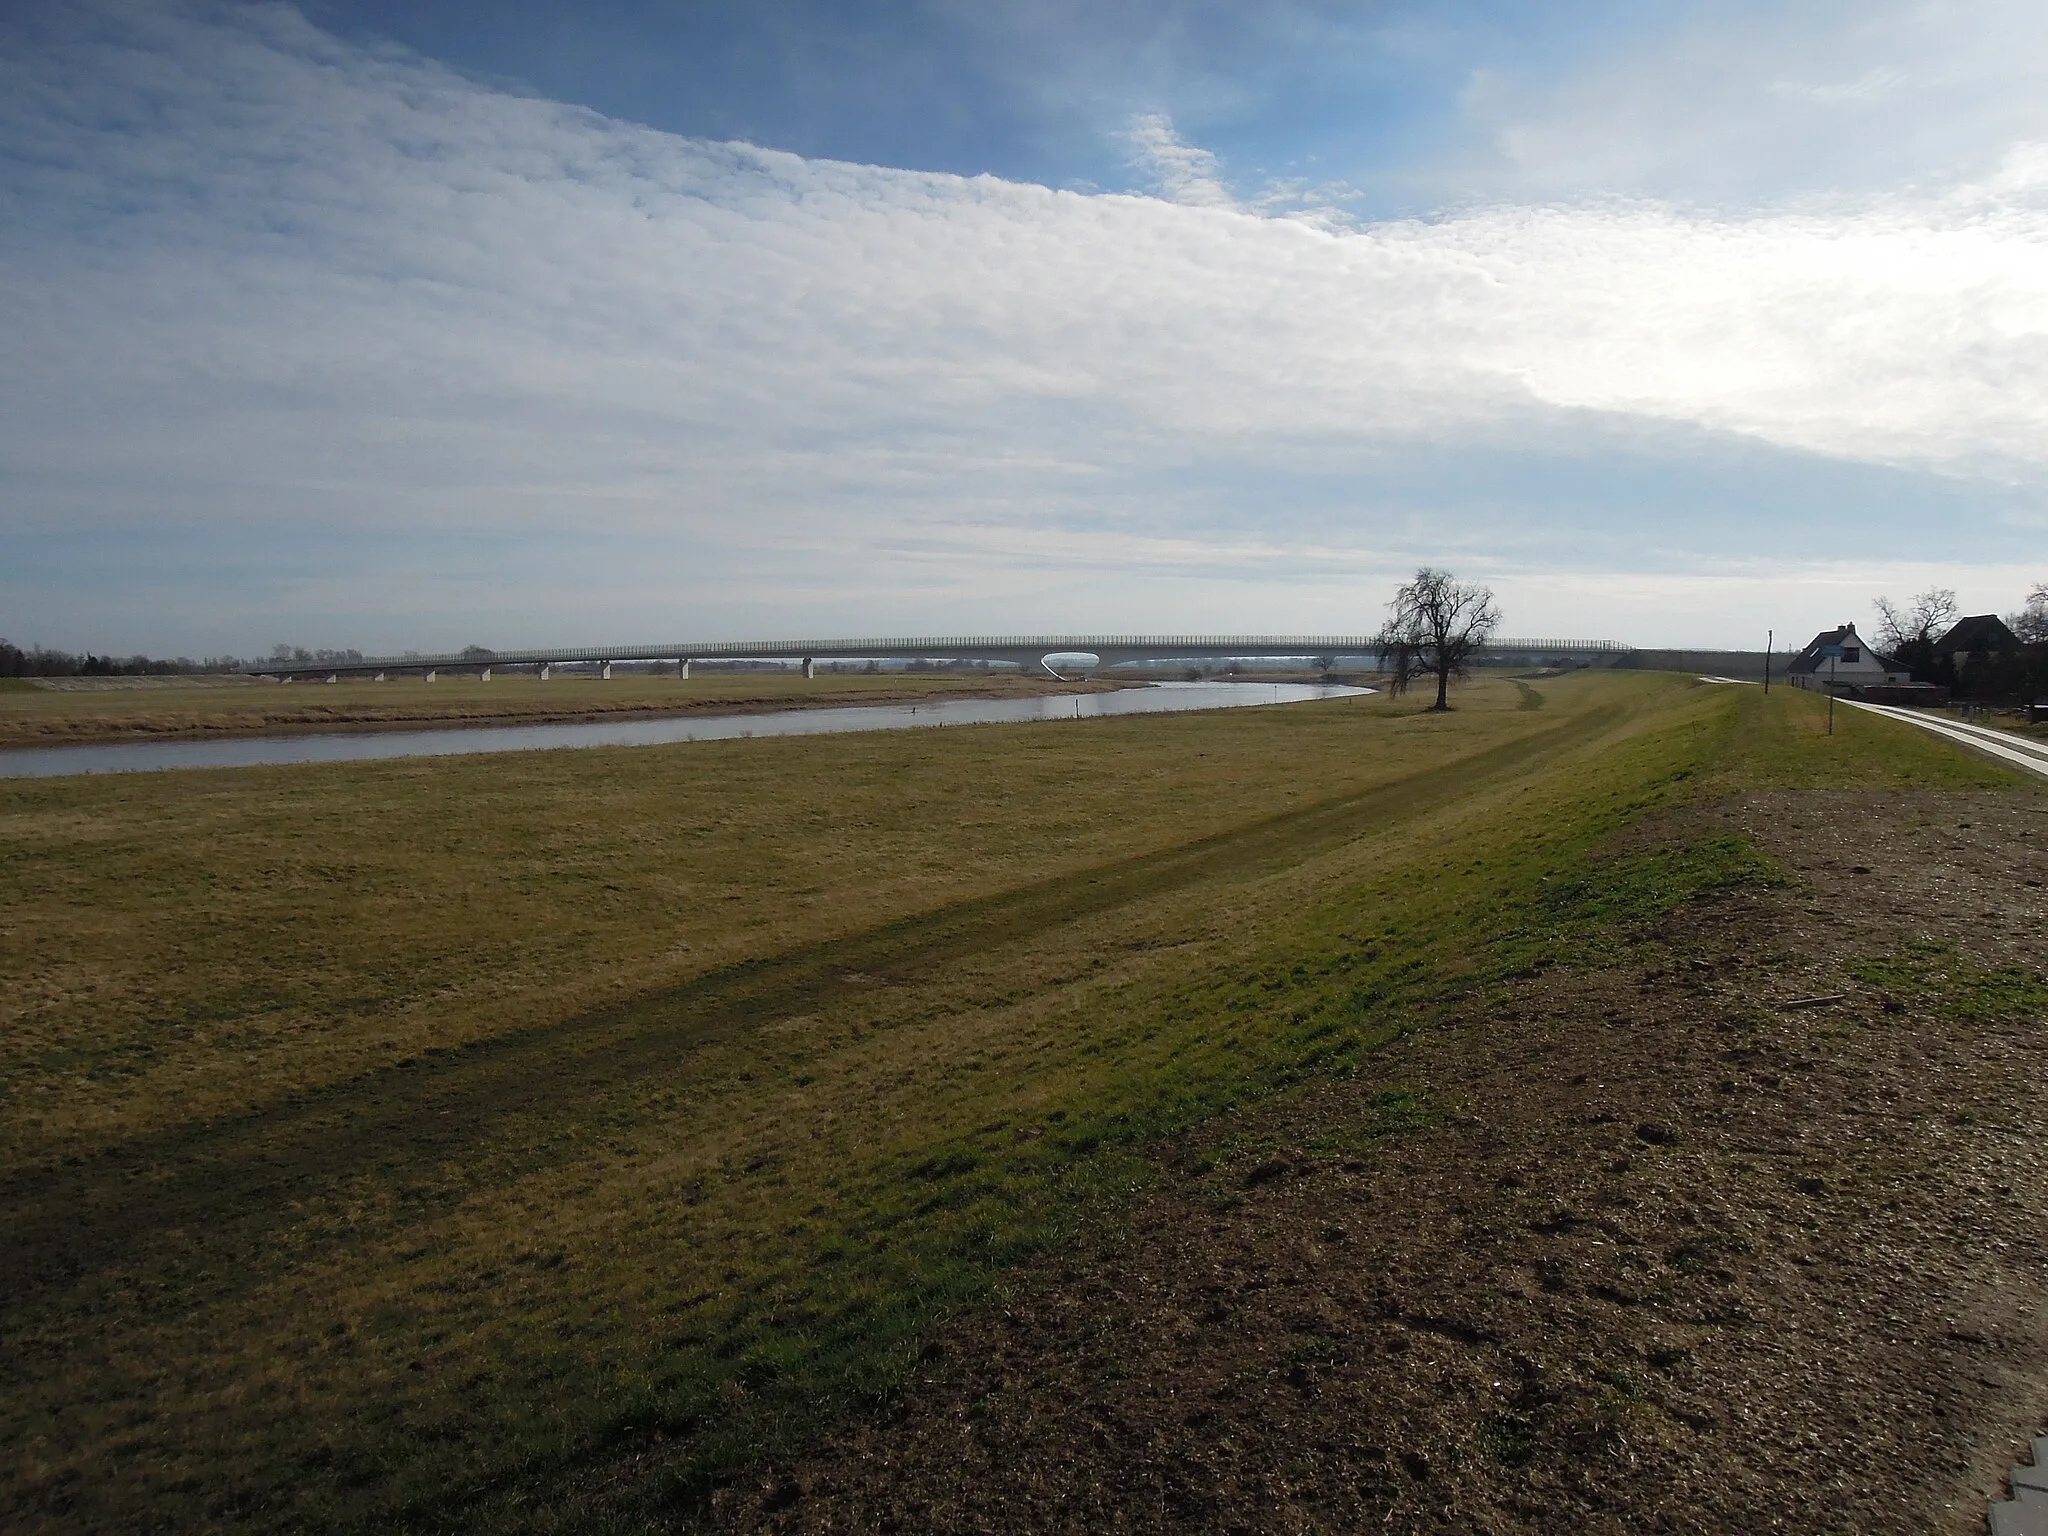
[{"x": 1443, "y": 688}]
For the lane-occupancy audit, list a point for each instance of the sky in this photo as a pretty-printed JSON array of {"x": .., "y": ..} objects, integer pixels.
[{"x": 359, "y": 323}]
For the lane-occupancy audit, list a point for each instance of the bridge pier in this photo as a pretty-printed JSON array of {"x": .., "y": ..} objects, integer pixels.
[
  {"x": 333, "y": 678},
  {"x": 378, "y": 678},
  {"x": 1026, "y": 652},
  {"x": 484, "y": 676}
]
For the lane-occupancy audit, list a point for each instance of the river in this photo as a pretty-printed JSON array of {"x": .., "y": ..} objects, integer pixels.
[{"x": 374, "y": 746}]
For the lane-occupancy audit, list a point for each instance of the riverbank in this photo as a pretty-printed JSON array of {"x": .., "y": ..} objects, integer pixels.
[
  {"x": 479, "y": 739},
  {"x": 232, "y": 708},
  {"x": 568, "y": 1140}
]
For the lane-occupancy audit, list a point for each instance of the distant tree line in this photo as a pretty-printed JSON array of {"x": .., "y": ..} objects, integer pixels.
[{"x": 40, "y": 661}]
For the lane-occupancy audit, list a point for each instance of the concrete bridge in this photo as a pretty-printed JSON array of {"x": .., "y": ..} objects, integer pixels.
[{"x": 1034, "y": 654}]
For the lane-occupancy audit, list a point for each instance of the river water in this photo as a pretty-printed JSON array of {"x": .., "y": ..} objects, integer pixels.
[{"x": 372, "y": 746}]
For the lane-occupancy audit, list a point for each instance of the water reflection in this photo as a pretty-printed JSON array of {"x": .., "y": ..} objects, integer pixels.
[{"x": 266, "y": 751}]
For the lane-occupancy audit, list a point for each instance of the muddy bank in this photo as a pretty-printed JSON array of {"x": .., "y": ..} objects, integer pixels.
[{"x": 1746, "y": 1233}]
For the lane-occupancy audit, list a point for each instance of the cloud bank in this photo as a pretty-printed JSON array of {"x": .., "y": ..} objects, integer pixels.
[
  {"x": 346, "y": 322},
  {"x": 1740, "y": 101}
]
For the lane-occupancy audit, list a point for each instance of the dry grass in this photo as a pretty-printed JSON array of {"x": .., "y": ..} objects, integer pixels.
[
  {"x": 32, "y": 716},
  {"x": 513, "y": 1141},
  {"x": 184, "y": 946}
]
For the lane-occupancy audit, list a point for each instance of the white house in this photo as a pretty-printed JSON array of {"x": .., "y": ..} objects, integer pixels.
[{"x": 1857, "y": 665}]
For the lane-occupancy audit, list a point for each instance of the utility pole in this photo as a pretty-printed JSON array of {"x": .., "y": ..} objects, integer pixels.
[
  {"x": 1831, "y": 688},
  {"x": 1770, "y": 639}
]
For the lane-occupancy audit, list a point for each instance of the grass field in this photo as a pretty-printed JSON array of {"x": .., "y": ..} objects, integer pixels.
[
  {"x": 523, "y": 1142},
  {"x": 33, "y": 716}
]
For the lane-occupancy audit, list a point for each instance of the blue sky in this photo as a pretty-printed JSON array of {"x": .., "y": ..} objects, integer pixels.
[
  {"x": 379, "y": 325},
  {"x": 1033, "y": 92}
]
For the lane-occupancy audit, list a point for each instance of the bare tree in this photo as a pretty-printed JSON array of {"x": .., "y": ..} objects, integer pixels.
[
  {"x": 1920, "y": 625},
  {"x": 2031, "y": 622},
  {"x": 1434, "y": 624}
]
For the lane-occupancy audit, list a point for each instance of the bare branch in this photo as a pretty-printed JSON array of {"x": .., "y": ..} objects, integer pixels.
[
  {"x": 1892, "y": 633},
  {"x": 2031, "y": 622},
  {"x": 1931, "y": 615},
  {"x": 1434, "y": 625}
]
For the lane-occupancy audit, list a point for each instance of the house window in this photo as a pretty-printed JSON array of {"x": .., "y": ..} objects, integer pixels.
[{"x": 1851, "y": 653}]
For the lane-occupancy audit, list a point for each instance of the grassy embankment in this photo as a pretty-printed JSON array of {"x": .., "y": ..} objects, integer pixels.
[
  {"x": 39, "y": 717},
  {"x": 520, "y": 1142}
]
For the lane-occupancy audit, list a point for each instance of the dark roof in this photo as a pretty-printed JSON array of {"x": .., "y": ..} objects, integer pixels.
[
  {"x": 1977, "y": 635},
  {"x": 1811, "y": 660}
]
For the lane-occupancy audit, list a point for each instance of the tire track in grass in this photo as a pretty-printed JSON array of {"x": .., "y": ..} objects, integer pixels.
[{"x": 226, "y": 1185}]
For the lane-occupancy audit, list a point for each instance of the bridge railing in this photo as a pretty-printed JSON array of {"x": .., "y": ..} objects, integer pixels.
[{"x": 1165, "y": 647}]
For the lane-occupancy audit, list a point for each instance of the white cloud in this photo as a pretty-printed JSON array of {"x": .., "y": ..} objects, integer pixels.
[
  {"x": 1191, "y": 176},
  {"x": 266, "y": 283},
  {"x": 1747, "y": 102},
  {"x": 1182, "y": 172},
  {"x": 1872, "y": 85},
  {"x": 1738, "y": 603},
  {"x": 1897, "y": 330}
]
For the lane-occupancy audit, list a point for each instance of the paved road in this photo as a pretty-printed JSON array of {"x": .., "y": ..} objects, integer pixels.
[{"x": 2027, "y": 1513}]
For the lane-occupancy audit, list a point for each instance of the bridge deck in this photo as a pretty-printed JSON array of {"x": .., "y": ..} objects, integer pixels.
[{"x": 1112, "y": 649}]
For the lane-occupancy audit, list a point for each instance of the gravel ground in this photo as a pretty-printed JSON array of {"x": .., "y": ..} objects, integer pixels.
[{"x": 1654, "y": 1252}]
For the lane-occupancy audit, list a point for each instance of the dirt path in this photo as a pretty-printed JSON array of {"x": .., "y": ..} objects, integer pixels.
[{"x": 1635, "y": 1250}]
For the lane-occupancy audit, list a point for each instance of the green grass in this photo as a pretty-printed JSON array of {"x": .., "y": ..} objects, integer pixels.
[
  {"x": 1589, "y": 915},
  {"x": 527, "y": 1143},
  {"x": 1782, "y": 742},
  {"x": 1393, "y": 1111},
  {"x": 1923, "y": 971}
]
